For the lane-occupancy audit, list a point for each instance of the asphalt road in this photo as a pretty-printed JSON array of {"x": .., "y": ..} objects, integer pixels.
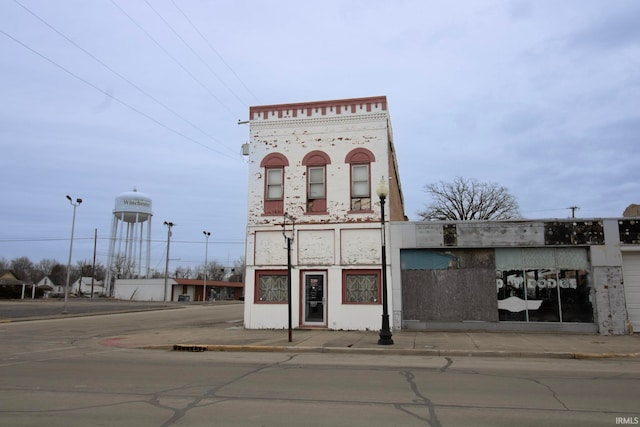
[
  {"x": 60, "y": 372},
  {"x": 46, "y": 308}
]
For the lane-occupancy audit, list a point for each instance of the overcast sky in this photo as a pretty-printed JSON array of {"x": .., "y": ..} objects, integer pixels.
[{"x": 101, "y": 96}]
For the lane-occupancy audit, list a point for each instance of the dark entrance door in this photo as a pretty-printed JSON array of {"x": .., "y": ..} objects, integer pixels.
[{"x": 314, "y": 311}]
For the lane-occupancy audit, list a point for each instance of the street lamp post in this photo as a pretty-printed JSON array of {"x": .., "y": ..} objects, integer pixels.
[
  {"x": 166, "y": 265},
  {"x": 73, "y": 225},
  {"x": 385, "y": 331},
  {"x": 206, "y": 250},
  {"x": 289, "y": 240}
]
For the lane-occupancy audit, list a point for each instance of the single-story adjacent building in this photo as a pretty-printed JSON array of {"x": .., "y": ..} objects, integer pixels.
[
  {"x": 539, "y": 275},
  {"x": 176, "y": 290}
]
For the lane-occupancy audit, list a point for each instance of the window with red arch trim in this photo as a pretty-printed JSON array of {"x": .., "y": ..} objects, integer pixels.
[
  {"x": 274, "y": 165},
  {"x": 360, "y": 160},
  {"x": 316, "y": 163}
]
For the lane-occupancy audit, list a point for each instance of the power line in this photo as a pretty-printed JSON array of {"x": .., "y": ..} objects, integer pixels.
[
  {"x": 120, "y": 75},
  {"x": 213, "y": 49},
  {"x": 195, "y": 53},
  {"x": 58, "y": 239},
  {"x": 121, "y": 102},
  {"x": 176, "y": 60}
]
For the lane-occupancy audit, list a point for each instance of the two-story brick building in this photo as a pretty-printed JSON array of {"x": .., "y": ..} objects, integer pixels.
[{"x": 319, "y": 163}]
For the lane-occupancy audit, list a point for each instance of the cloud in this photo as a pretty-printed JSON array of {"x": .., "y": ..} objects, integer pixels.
[
  {"x": 520, "y": 121},
  {"x": 538, "y": 97},
  {"x": 615, "y": 28},
  {"x": 520, "y": 10}
]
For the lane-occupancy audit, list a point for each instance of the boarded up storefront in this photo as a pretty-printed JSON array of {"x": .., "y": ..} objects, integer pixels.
[
  {"x": 449, "y": 285},
  {"x": 511, "y": 275}
]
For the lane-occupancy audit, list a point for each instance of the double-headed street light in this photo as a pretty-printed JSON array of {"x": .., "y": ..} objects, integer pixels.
[
  {"x": 73, "y": 225},
  {"x": 385, "y": 332},
  {"x": 206, "y": 250}
]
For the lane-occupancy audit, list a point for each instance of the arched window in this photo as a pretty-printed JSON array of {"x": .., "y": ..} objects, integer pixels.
[
  {"x": 316, "y": 163},
  {"x": 273, "y": 165},
  {"x": 360, "y": 160}
]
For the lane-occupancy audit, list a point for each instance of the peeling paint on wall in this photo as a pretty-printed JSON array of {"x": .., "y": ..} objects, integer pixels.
[{"x": 610, "y": 300}]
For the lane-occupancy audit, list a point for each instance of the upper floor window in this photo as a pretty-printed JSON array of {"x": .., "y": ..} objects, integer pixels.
[
  {"x": 315, "y": 189},
  {"x": 274, "y": 165},
  {"x": 360, "y": 160},
  {"x": 274, "y": 183},
  {"x": 316, "y": 163}
]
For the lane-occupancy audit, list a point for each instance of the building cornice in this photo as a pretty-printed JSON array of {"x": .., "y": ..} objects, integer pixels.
[{"x": 317, "y": 121}]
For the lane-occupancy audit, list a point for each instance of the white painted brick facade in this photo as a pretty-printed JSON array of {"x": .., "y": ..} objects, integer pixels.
[{"x": 324, "y": 242}]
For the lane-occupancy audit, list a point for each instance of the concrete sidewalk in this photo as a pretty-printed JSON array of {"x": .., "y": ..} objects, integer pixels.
[
  {"x": 233, "y": 337},
  {"x": 419, "y": 343}
]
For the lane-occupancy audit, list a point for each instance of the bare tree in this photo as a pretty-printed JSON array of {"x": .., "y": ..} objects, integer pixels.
[
  {"x": 237, "y": 272},
  {"x": 87, "y": 270},
  {"x": 22, "y": 267},
  {"x": 85, "y": 267},
  {"x": 183, "y": 273},
  {"x": 215, "y": 271},
  {"x": 58, "y": 274},
  {"x": 43, "y": 268},
  {"x": 469, "y": 199},
  {"x": 123, "y": 268}
]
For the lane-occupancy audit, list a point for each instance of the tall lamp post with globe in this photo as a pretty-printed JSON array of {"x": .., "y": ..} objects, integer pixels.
[
  {"x": 385, "y": 331},
  {"x": 73, "y": 225}
]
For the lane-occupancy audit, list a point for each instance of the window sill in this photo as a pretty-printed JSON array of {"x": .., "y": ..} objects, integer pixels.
[
  {"x": 364, "y": 211},
  {"x": 360, "y": 303}
]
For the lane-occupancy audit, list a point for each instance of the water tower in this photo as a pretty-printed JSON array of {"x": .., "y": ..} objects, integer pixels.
[{"x": 129, "y": 241}]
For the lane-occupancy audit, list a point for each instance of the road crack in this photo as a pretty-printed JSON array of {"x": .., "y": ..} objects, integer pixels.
[
  {"x": 432, "y": 417},
  {"x": 179, "y": 413},
  {"x": 449, "y": 363},
  {"x": 553, "y": 393}
]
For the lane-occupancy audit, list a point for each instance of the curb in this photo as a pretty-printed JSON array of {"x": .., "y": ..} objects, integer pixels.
[{"x": 390, "y": 351}]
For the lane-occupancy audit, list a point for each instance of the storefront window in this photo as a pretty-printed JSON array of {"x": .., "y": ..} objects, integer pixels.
[
  {"x": 549, "y": 285},
  {"x": 575, "y": 296},
  {"x": 361, "y": 286},
  {"x": 511, "y": 295},
  {"x": 271, "y": 287},
  {"x": 542, "y": 295}
]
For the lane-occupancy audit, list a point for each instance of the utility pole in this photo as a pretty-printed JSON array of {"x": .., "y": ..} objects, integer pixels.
[
  {"x": 573, "y": 210},
  {"x": 207, "y": 234},
  {"x": 93, "y": 268},
  {"x": 166, "y": 265}
]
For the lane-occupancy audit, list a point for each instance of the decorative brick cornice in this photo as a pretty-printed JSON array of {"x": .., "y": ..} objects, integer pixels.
[
  {"x": 318, "y": 121},
  {"x": 334, "y": 108}
]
